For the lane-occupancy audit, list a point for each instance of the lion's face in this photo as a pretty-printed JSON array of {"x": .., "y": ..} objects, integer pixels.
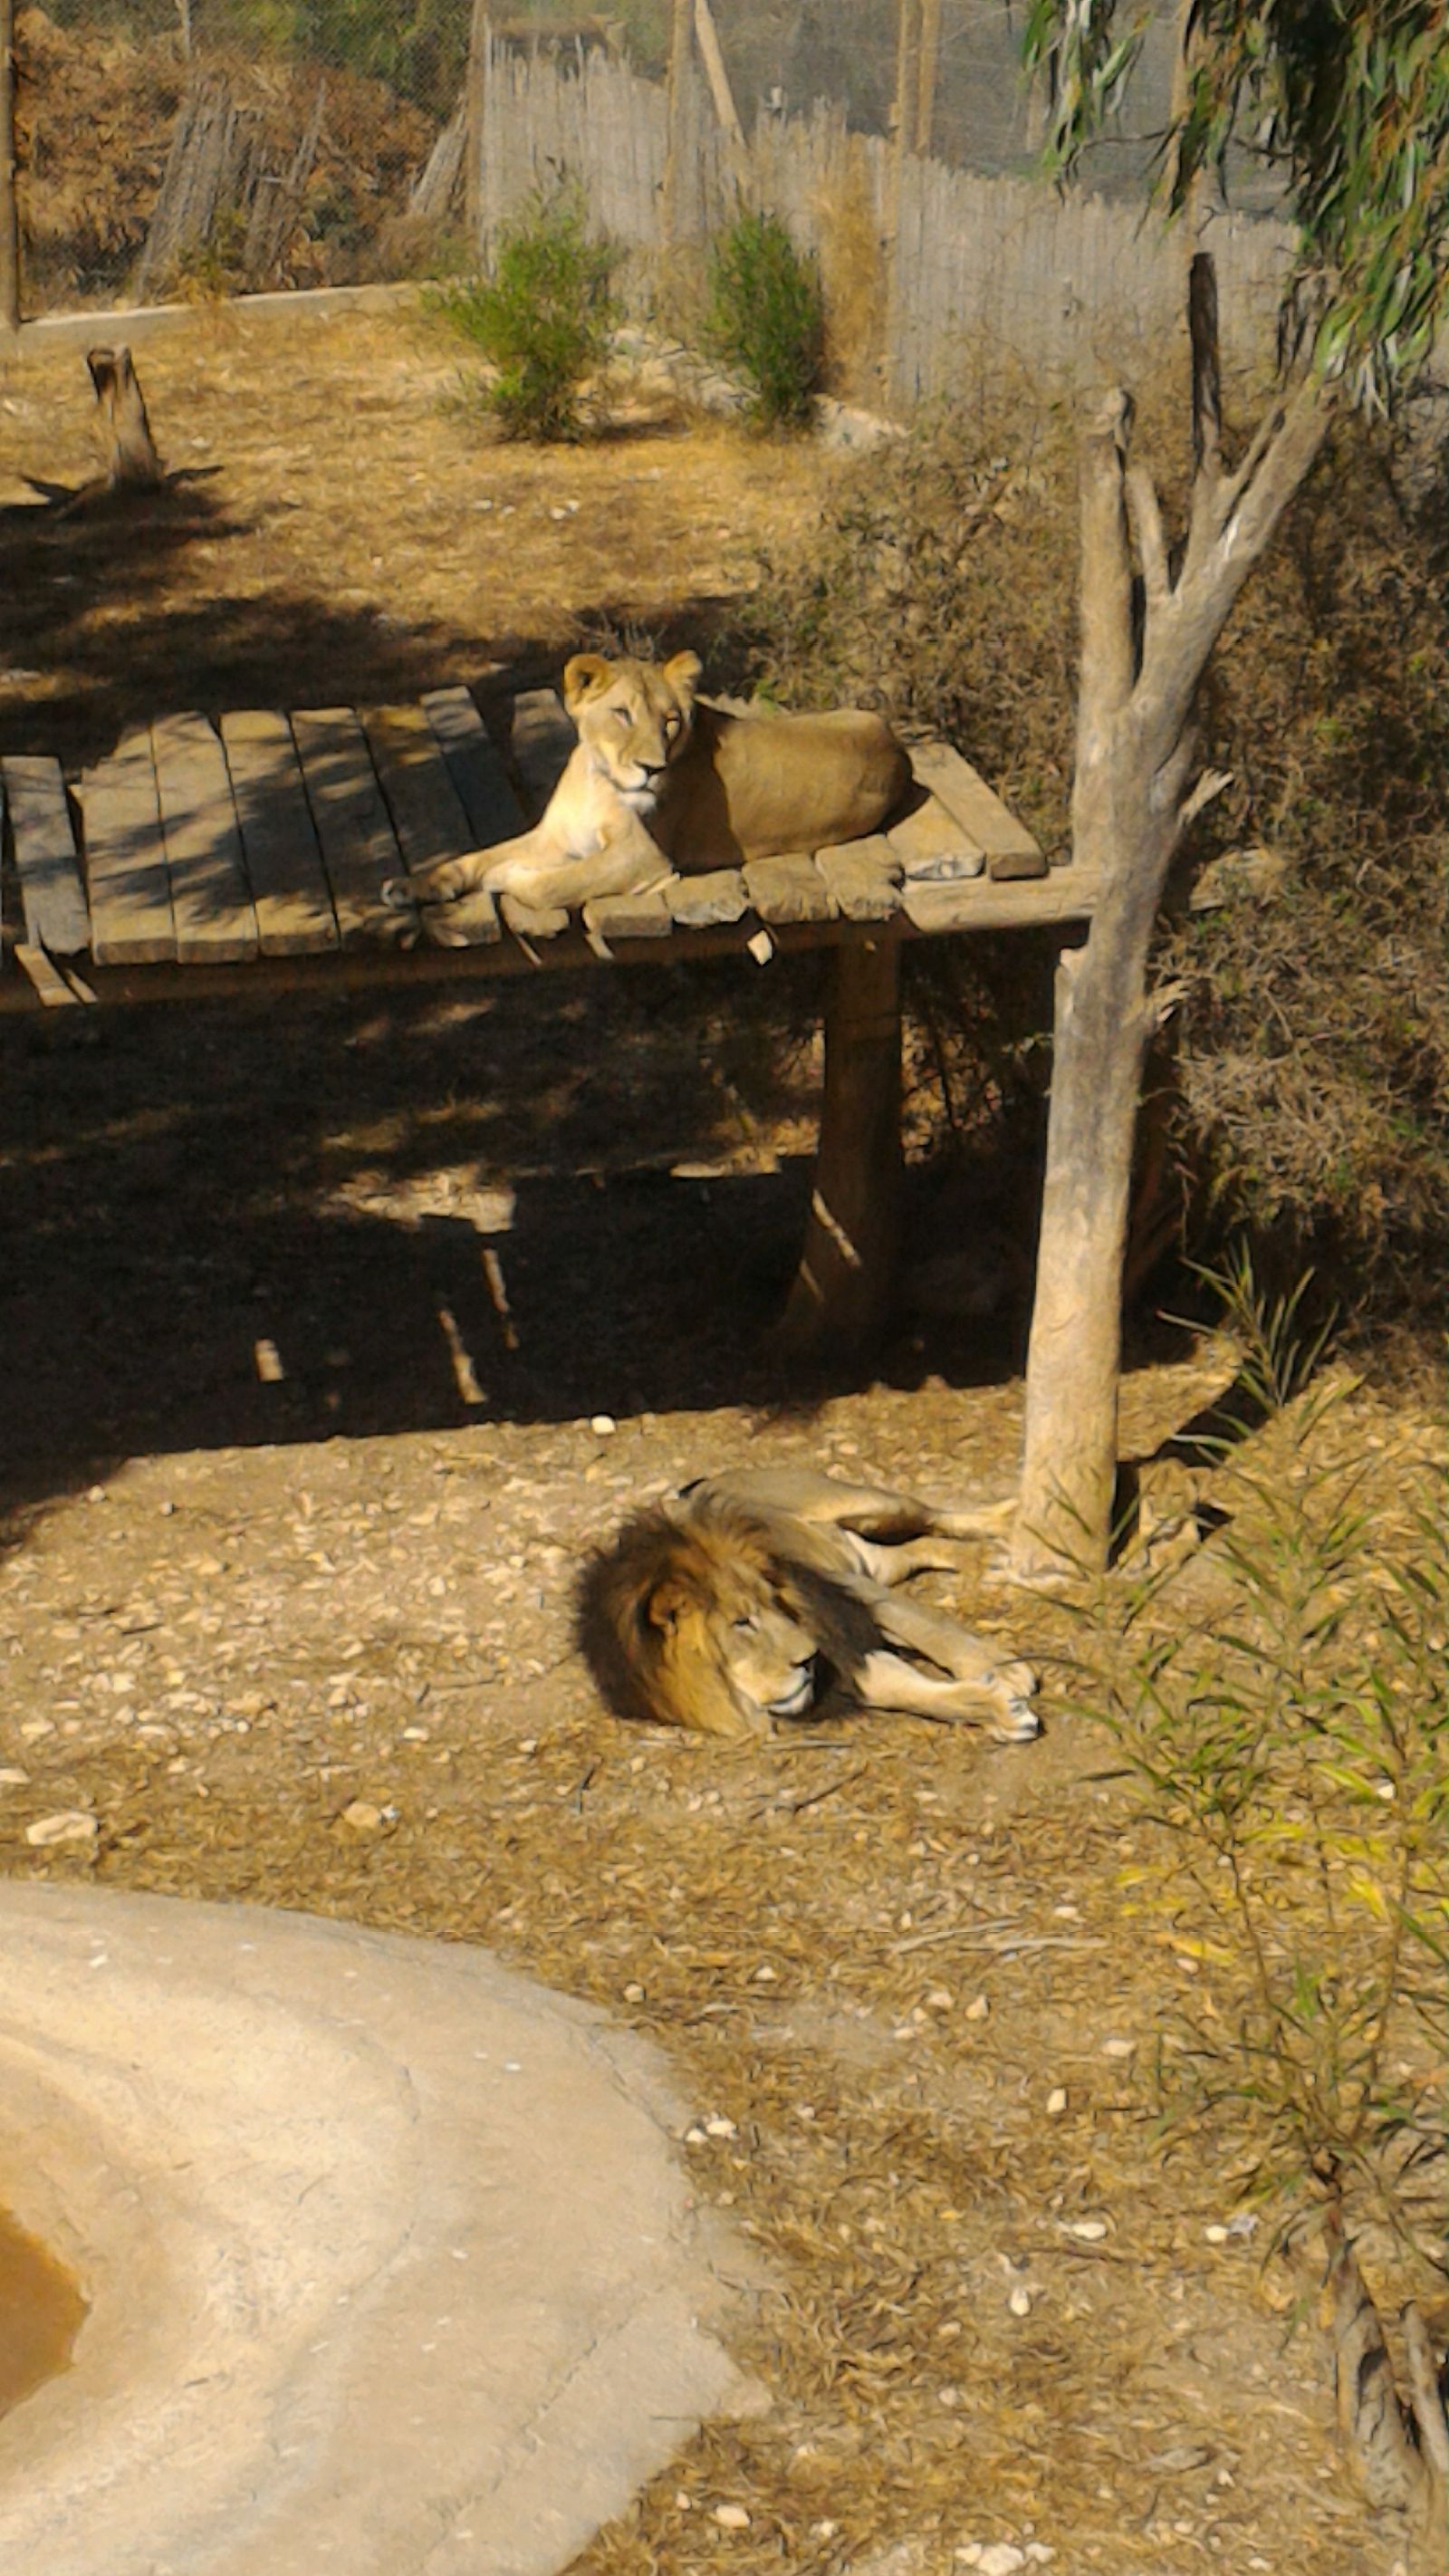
[
  {"x": 634, "y": 718},
  {"x": 735, "y": 1660}
]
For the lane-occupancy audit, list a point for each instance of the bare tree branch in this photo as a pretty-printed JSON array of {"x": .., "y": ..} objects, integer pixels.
[
  {"x": 1146, "y": 518},
  {"x": 1108, "y": 661},
  {"x": 1207, "y": 386}
]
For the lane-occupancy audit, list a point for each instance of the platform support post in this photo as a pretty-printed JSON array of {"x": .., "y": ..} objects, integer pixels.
[{"x": 841, "y": 1297}]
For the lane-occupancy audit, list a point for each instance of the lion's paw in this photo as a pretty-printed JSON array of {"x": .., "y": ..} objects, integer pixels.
[{"x": 1019, "y": 1725}]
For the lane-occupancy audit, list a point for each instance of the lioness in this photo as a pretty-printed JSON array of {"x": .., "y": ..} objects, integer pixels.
[
  {"x": 756, "y": 1595},
  {"x": 659, "y": 783}
]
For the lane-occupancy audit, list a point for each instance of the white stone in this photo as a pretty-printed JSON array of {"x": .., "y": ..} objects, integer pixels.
[
  {"x": 72, "y": 1825},
  {"x": 1002, "y": 2558},
  {"x": 351, "y": 2280}
]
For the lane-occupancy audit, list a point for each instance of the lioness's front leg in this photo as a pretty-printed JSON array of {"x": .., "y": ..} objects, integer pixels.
[
  {"x": 449, "y": 880},
  {"x": 625, "y": 860}
]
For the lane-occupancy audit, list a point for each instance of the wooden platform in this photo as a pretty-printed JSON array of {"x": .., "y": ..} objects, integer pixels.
[{"x": 201, "y": 858}]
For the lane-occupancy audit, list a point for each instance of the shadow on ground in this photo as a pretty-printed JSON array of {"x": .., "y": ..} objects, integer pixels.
[
  {"x": 130, "y": 611},
  {"x": 228, "y": 1225}
]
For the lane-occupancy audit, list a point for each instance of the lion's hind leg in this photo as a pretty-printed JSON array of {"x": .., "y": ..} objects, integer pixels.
[{"x": 805, "y": 1494}]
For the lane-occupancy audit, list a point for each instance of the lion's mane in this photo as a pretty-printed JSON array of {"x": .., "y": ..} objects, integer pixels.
[{"x": 715, "y": 1556}]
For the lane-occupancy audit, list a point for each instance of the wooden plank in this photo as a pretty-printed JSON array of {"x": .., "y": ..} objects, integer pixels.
[
  {"x": 863, "y": 877},
  {"x": 125, "y": 859},
  {"x": 532, "y": 923},
  {"x": 610, "y": 917},
  {"x": 472, "y": 922},
  {"x": 51, "y": 892},
  {"x": 718, "y": 895},
  {"x": 1010, "y": 850},
  {"x": 211, "y": 900},
  {"x": 541, "y": 742},
  {"x": 359, "y": 845},
  {"x": 426, "y": 809},
  {"x": 1064, "y": 894},
  {"x": 279, "y": 839},
  {"x": 475, "y": 766},
  {"x": 51, "y": 988},
  {"x": 789, "y": 888},
  {"x": 931, "y": 843}
]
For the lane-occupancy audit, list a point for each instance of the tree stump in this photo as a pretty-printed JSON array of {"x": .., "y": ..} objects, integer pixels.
[
  {"x": 842, "y": 1292},
  {"x": 123, "y": 428}
]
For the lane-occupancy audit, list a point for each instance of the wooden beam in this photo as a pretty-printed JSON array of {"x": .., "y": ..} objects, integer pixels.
[
  {"x": 130, "y": 892},
  {"x": 842, "y": 1292},
  {"x": 51, "y": 892},
  {"x": 210, "y": 898},
  {"x": 715, "y": 72},
  {"x": 9, "y": 176},
  {"x": 279, "y": 839}
]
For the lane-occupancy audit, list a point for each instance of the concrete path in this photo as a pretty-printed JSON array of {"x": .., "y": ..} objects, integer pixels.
[{"x": 391, "y": 2262}]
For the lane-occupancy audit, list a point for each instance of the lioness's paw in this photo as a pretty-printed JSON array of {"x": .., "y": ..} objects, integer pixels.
[{"x": 463, "y": 925}]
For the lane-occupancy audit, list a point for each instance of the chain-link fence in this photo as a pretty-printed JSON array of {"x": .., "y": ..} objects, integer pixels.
[{"x": 169, "y": 147}]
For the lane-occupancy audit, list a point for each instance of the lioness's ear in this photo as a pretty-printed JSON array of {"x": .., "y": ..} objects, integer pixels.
[
  {"x": 683, "y": 673},
  {"x": 585, "y": 674}
]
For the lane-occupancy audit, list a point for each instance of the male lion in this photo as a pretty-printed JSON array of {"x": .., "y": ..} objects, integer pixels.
[
  {"x": 660, "y": 782},
  {"x": 753, "y": 1596}
]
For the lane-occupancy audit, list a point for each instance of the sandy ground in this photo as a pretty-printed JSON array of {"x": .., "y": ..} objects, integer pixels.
[
  {"x": 352, "y": 535},
  {"x": 292, "y": 1505}
]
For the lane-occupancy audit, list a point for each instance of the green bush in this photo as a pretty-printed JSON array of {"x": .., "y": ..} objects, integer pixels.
[
  {"x": 543, "y": 318},
  {"x": 766, "y": 317},
  {"x": 1288, "y": 1744}
]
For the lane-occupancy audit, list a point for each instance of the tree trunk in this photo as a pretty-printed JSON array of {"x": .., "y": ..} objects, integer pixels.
[
  {"x": 1147, "y": 633},
  {"x": 121, "y": 422},
  {"x": 9, "y": 174}
]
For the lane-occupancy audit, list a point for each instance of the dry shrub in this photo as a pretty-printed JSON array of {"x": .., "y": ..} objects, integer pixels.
[
  {"x": 1314, "y": 1047},
  {"x": 95, "y": 113},
  {"x": 852, "y": 270},
  {"x": 1315, "y": 1054}
]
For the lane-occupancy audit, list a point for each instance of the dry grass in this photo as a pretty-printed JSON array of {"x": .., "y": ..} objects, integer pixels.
[{"x": 358, "y": 539}]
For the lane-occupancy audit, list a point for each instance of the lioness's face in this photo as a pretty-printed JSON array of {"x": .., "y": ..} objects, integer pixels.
[{"x": 634, "y": 717}]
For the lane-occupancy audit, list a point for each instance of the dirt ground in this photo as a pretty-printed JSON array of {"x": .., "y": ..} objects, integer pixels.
[
  {"x": 351, "y": 534},
  {"x": 331, "y": 1334}
]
